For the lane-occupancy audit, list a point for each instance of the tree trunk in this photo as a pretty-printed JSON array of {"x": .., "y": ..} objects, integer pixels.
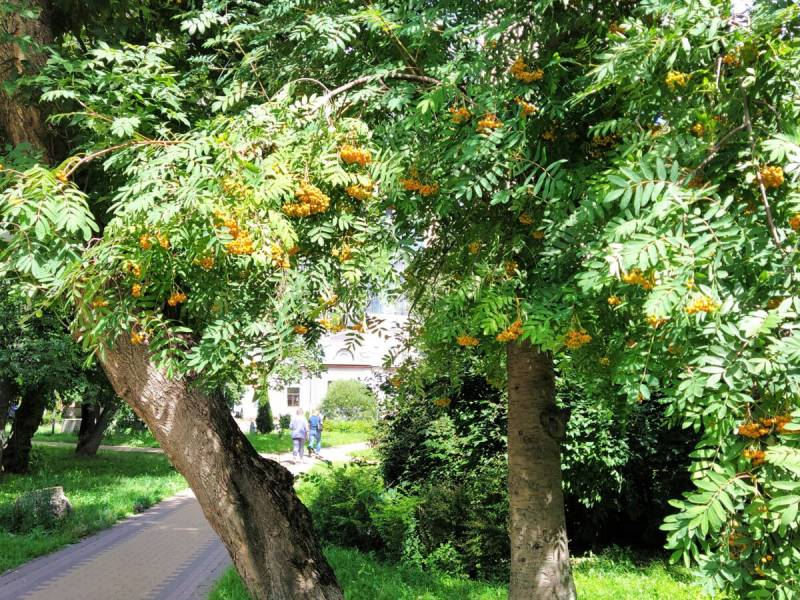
[
  {"x": 20, "y": 119},
  {"x": 249, "y": 501},
  {"x": 540, "y": 567},
  {"x": 17, "y": 453},
  {"x": 8, "y": 392},
  {"x": 89, "y": 437}
]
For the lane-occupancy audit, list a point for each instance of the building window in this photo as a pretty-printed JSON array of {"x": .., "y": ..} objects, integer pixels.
[{"x": 293, "y": 396}]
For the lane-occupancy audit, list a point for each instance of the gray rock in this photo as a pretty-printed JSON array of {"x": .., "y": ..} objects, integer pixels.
[{"x": 41, "y": 508}]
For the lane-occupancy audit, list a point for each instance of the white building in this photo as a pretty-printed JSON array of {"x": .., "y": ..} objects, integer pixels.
[{"x": 363, "y": 362}]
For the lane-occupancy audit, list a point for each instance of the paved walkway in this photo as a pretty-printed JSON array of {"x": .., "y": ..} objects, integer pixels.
[{"x": 166, "y": 553}]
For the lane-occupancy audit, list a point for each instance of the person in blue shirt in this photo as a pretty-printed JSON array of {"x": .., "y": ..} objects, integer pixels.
[{"x": 315, "y": 422}]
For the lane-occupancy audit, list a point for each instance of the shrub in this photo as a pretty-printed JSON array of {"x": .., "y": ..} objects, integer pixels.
[
  {"x": 349, "y": 400},
  {"x": 264, "y": 416},
  {"x": 351, "y": 508},
  {"x": 284, "y": 421}
]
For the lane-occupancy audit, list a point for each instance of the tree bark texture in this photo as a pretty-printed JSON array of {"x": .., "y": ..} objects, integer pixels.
[
  {"x": 20, "y": 119},
  {"x": 9, "y": 390},
  {"x": 248, "y": 500},
  {"x": 17, "y": 453},
  {"x": 94, "y": 422},
  {"x": 540, "y": 567}
]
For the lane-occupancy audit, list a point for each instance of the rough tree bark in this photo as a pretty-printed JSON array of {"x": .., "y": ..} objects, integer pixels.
[
  {"x": 20, "y": 119},
  {"x": 17, "y": 453},
  {"x": 249, "y": 501},
  {"x": 94, "y": 422},
  {"x": 9, "y": 390},
  {"x": 540, "y": 567}
]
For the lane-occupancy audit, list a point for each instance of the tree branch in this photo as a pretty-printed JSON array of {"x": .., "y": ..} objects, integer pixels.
[{"x": 748, "y": 123}]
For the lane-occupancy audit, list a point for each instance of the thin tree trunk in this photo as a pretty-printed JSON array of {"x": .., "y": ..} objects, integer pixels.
[
  {"x": 89, "y": 438},
  {"x": 540, "y": 568},
  {"x": 249, "y": 501},
  {"x": 17, "y": 453}
]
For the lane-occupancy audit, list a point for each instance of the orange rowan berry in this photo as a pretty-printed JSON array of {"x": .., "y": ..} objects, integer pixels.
[
  {"x": 467, "y": 340},
  {"x": 176, "y": 298},
  {"x": 511, "y": 333},
  {"x": 771, "y": 176},
  {"x": 352, "y": 155}
]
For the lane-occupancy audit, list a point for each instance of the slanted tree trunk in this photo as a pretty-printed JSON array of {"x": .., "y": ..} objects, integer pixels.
[
  {"x": 248, "y": 500},
  {"x": 17, "y": 453},
  {"x": 94, "y": 425},
  {"x": 540, "y": 567}
]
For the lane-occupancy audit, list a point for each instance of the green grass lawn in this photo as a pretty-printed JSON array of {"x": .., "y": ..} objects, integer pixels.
[
  {"x": 102, "y": 490},
  {"x": 266, "y": 442},
  {"x": 612, "y": 576}
]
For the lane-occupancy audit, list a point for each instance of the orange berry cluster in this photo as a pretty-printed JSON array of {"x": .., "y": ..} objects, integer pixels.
[
  {"x": 549, "y": 135},
  {"x": 459, "y": 115},
  {"x": 136, "y": 290},
  {"x": 697, "y": 130},
  {"x": 655, "y": 322},
  {"x": 300, "y": 329},
  {"x": 443, "y": 402},
  {"x": 423, "y": 189},
  {"x": 771, "y": 176},
  {"x": 701, "y": 304},
  {"x": 526, "y": 219},
  {"x": 488, "y": 123},
  {"x": 144, "y": 242},
  {"x": 242, "y": 243},
  {"x": 527, "y": 108},
  {"x": 731, "y": 59},
  {"x": 604, "y": 361},
  {"x": 755, "y": 456},
  {"x": 537, "y": 234},
  {"x": 176, "y": 298},
  {"x": 311, "y": 201},
  {"x": 344, "y": 253},
  {"x": 135, "y": 269},
  {"x": 576, "y": 338},
  {"x": 359, "y": 192},
  {"x": 794, "y": 222},
  {"x": 280, "y": 258},
  {"x": 511, "y": 333},
  {"x": 519, "y": 70},
  {"x": 359, "y": 327},
  {"x": 614, "y": 300},
  {"x": 676, "y": 79},
  {"x": 635, "y": 277},
  {"x": 511, "y": 267},
  {"x": 352, "y": 155},
  {"x": 474, "y": 247},
  {"x": 467, "y": 340},
  {"x": 99, "y": 303},
  {"x": 605, "y": 141},
  {"x": 757, "y": 429},
  {"x": 207, "y": 262},
  {"x": 163, "y": 240},
  {"x": 137, "y": 338}
]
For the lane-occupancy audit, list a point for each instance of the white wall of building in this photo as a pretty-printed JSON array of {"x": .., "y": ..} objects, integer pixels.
[{"x": 363, "y": 362}]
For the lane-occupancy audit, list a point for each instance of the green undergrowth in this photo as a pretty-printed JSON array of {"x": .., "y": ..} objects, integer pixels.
[
  {"x": 610, "y": 576},
  {"x": 102, "y": 490}
]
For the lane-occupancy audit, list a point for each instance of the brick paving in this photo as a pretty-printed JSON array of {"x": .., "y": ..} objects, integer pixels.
[{"x": 166, "y": 553}]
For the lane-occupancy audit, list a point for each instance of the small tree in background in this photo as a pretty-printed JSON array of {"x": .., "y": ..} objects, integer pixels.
[
  {"x": 264, "y": 416},
  {"x": 350, "y": 400}
]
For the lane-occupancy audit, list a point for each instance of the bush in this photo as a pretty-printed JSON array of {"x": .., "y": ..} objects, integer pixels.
[
  {"x": 351, "y": 508},
  {"x": 284, "y": 421},
  {"x": 349, "y": 400},
  {"x": 264, "y": 416}
]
